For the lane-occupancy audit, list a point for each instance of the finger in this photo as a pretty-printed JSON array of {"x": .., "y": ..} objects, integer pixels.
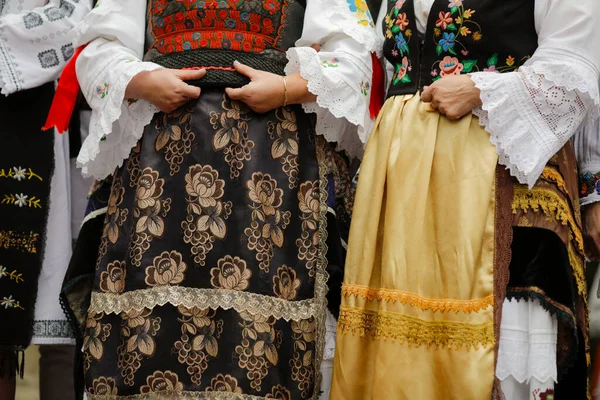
[
  {"x": 244, "y": 69},
  {"x": 236, "y": 94},
  {"x": 316, "y": 47},
  {"x": 189, "y": 91},
  {"x": 427, "y": 95},
  {"x": 189, "y": 74}
]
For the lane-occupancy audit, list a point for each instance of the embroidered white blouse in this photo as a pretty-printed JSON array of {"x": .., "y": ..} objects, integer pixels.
[
  {"x": 532, "y": 113},
  {"x": 36, "y": 40},
  {"x": 115, "y": 33}
]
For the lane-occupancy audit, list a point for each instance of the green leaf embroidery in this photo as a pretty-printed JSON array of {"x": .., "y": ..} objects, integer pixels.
[
  {"x": 405, "y": 79},
  {"x": 452, "y": 27},
  {"x": 438, "y": 49},
  {"x": 451, "y": 51},
  {"x": 468, "y": 65},
  {"x": 395, "y": 29},
  {"x": 493, "y": 60},
  {"x": 395, "y": 81},
  {"x": 453, "y": 10},
  {"x": 436, "y": 78}
]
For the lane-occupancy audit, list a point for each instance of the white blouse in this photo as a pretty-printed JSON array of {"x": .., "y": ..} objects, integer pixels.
[
  {"x": 115, "y": 33},
  {"x": 36, "y": 40},
  {"x": 530, "y": 114}
]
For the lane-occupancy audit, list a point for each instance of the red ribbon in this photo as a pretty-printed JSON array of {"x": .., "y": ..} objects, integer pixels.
[
  {"x": 378, "y": 87},
  {"x": 65, "y": 97}
]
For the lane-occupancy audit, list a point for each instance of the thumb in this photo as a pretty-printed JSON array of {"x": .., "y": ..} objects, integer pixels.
[
  {"x": 426, "y": 95},
  {"x": 190, "y": 74},
  {"x": 236, "y": 94},
  {"x": 244, "y": 69},
  {"x": 316, "y": 47}
]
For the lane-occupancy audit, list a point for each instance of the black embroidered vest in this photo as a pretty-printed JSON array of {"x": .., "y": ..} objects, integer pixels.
[
  {"x": 212, "y": 34},
  {"x": 462, "y": 36}
]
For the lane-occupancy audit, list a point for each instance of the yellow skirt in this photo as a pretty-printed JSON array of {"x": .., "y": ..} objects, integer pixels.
[{"x": 417, "y": 318}]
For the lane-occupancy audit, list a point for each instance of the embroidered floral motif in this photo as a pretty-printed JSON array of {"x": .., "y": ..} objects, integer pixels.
[
  {"x": 304, "y": 334},
  {"x": 547, "y": 394},
  {"x": 199, "y": 334},
  {"x": 115, "y": 218},
  {"x": 361, "y": 10},
  {"x": 308, "y": 242},
  {"x": 95, "y": 336},
  {"x": 167, "y": 269},
  {"x": 285, "y": 283},
  {"x": 334, "y": 63},
  {"x": 102, "y": 91},
  {"x": 450, "y": 29},
  {"x": 365, "y": 87},
  {"x": 21, "y": 200},
  {"x": 224, "y": 383},
  {"x": 216, "y": 25},
  {"x": 259, "y": 348},
  {"x": 19, "y": 173},
  {"x": 589, "y": 184},
  {"x": 230, "y": 273},
  {"x": 137, "y": 341},
  {"x": 285, "y": 143},
  {"x": 13, "y": 276},
  {"x": 9, "y": 302},
  {"x": 175, "y": 136},
  {"x": 103, "y": 386},
  {"x": 150, "y": 211},
  {"x": 396, "y": 24},
  {"x": 113, "y": 279},
  {"x": 206, "y": 210},
  {"x": 163, "y": 383},
  {"x": 231, "y": 134},
  {"x": 268, "y": 222}
]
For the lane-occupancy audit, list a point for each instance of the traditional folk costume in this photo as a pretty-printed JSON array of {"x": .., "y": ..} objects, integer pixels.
[
  {"x": 437, "y": 303},
  {"x": 35, "y": 226},
  {"x": 212, "y": 270}
]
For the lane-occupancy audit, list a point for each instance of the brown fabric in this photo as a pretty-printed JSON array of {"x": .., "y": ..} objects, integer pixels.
[
  {"x": 502, "y": 256},
  {"x": 56, "y": 372}
]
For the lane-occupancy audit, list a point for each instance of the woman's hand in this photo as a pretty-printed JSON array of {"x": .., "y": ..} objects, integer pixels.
[
  {"x": 165, "y": 88},
  {"x": 591, "y": 231},
  {"x": 266, "y": 91},
  {"x": 453, "y": 96}
]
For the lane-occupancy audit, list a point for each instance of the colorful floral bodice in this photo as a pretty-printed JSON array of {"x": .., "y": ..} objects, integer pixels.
[
  {"x": 462, "y": 36},
  {"x": 214, "y": 33}
]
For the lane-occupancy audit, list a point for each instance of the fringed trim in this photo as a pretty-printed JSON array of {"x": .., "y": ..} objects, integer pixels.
[
  {"x": 414, "y": 300},
  {"x": 552, "y": 175},
  {"x": 413, "y": 331},
  {"x": 12, "y": 361},
  {"x": 559, "y": 209}
]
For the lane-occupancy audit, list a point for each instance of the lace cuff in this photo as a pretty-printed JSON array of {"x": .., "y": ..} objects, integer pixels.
[
  {"x": 342, "y": 109},
  {"x": 530, "y": 114},
  {"x": 117, "y": 124}
]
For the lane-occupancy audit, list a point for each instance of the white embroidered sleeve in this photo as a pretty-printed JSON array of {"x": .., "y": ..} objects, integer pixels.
[
  {"x": 532, "y": 113},
  {"x": 115, "y": 37},
  {"x": 340, "y": 73},
  {"x": 36, "y": 44},
  {"x": 587, "y": 148}
]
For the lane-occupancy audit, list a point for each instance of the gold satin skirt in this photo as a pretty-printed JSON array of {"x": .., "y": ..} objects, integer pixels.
[{"x": 417, "y": 318}]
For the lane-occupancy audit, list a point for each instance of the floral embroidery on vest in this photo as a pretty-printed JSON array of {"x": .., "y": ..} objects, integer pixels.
[
  {"x": 396, "y": 24},
  {"x": 216, "y": 25}
]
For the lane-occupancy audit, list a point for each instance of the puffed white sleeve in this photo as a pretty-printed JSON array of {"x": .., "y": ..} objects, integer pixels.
[
  {"x": 340, "y": 74},
  {"x": 587, "y": 149},
  {"x": 530, "y": 114},
  {"x": 114, "y": 34},
  {"x": 35, "y": 45}
]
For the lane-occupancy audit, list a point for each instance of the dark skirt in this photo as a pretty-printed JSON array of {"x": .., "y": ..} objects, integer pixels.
[{"x": 212, "y": 268}]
